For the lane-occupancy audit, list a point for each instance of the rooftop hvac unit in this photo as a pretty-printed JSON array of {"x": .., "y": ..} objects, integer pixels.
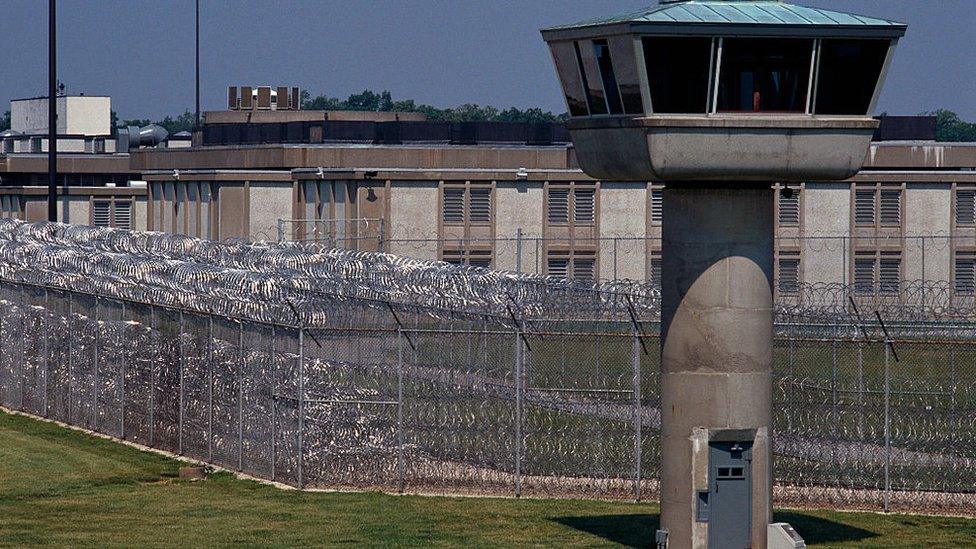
[
  {"x": 264, "y": 97},
  {"x": 282, "y": 96},
  {"x": 247, "y": 102}
]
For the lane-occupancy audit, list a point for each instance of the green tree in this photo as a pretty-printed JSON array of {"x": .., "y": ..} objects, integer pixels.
[
  {"x": 5, "y": 121},
  {"x": 949, "y": 127},
  {"x": 368, "y": 100}
]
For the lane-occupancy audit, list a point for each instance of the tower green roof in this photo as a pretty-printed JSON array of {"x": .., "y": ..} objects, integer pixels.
[{"x": 744, "y": 15}]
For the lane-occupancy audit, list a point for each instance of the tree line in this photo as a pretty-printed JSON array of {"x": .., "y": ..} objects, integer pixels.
[
  {"x": 369, "y": 100},
  {"x": 949, "y": 127}
]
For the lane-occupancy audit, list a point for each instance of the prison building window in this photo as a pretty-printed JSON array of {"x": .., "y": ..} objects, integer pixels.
[
  {"x": 101, "y": 213},
  {"x": 889, "y": 272},
  {"x": 964, "y": 276},
  {"x": 571, "y": 204},
  {"x": 574, "y": 265},
  {"x": 327, "y": 212},
  {"x": 864, "y": 266},
  {"x": 602, "y": 52},
  {"x": 557, "y": 266},
  {"x": 864, "y": 207},
  {"x": 11, "y": 207},
  {"x": 654, "y": 269},
  {"x": 966, "y": 207},
  {"x": 111, "y": 213},
  {"x": 467, "y": 257},
  {"x": 466, "y": 203},
  {"x": 657, "y": 206},
  {"x": 584, "y": 267},
  {"x": 890, "y": 207},
  {"x": 678, "y": 73},
  {"x": 788, "y": 276},
  {"x": 789, "y": 206}
]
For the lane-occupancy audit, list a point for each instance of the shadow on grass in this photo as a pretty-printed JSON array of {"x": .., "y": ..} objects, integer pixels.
[
  {"x": 820, "y": 530},
  {"x": 637, "y": 530}
]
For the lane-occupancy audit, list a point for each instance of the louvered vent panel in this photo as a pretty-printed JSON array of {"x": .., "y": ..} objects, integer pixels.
[
  {"x": 657, "y": 206},
  {"x": 965, "y": 274},
  {"x": 101, "y": 213},
  {"x": 584, "y": 206},
  {"x": 966, "y": 207},
  {"x": 864, "y": 207},
  {"x": 480, "y": 205},
  {"x": 122, "y": 217},
  {"x": 453, "y": 206},
  {"x": 558, "y": 206},
  {"x": 891, "y": 207},
  {"x": 789, "y": 275},
  {"x": 789, "y": 209}
]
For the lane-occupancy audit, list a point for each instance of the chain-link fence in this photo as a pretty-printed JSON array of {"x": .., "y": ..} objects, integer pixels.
[{"x": 344, "y": 369}]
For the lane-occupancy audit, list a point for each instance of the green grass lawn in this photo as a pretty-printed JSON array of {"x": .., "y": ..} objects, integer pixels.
[{"x": 61, "y": 487}]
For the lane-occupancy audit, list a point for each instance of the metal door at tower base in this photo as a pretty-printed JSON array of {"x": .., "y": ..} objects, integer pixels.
[{"x": 730, "y": 495}]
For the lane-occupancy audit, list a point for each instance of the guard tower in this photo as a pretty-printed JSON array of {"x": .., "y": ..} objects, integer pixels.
[{"x": 719, "y": 99}]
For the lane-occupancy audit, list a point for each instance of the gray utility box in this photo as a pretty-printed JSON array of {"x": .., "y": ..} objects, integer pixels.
[{"x": 781, "y": 535}]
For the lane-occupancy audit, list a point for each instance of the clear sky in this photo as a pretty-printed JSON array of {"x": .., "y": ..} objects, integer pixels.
[{"x": 436, "y": 51}]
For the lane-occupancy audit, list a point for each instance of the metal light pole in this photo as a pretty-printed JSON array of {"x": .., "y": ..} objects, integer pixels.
[
  {"x": 52, "y": 113},
  {"x": 197, "y": 119}
]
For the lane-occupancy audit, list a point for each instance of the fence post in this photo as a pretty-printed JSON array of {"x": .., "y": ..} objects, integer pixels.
[
  {"x": 615, "y": 277},
  {"x": 123, "y": 357},
  {"x": 95, "y": 363},
  {"x": 381, "y": 245},
  {"x": 281, "y": 230},
  {"x": 182, "y": 364},
  {"x": 69, "y": 331},
  {"x": 301, "y": 407},
  {"x": 240, "y": 396},
  {"x": 518, "y": 250},
  {"x": 274, "y": 402},
  {"x": 518, "y": 412},
  {"x": 23, "y": 345},
  {"x": 887, "y": 427},
  {"x": 48, "y": 319},
  {"x": 154, "y": 351},
  {"x": 210, "y": 387},
  {"x": 860, "y": 391},
  {"x": 400, "y": 479},
  {"x": 638, "y": 420},
  {"x": 833, "y": 382}
]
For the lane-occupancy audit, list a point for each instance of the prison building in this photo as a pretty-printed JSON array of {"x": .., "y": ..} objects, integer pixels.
[{"x": 511, "y": 196}]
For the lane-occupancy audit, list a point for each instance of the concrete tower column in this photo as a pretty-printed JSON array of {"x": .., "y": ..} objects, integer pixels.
[{"x": 716, "y": 353}]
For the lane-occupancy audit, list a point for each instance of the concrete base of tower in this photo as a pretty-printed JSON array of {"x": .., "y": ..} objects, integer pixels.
[{"x": 716, "y": 362}]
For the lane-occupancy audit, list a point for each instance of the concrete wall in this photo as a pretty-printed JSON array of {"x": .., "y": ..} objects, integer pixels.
[
  {"x": 88, "y": 116},
  {"x": 518, "y": 205},
  {"x": 623, "y": 214},
  {"x": 826, "y": 212},
  {"x": 928, "y": 211},
  {"x": 85, "y": 115},
  {"x": 413, "y": 215},
  {"x": 269, "y": 202},
  {"x": 140, "y": 212}
]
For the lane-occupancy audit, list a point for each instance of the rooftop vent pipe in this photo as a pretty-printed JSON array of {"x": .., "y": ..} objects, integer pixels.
[{"x": 134, "y": 137}]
